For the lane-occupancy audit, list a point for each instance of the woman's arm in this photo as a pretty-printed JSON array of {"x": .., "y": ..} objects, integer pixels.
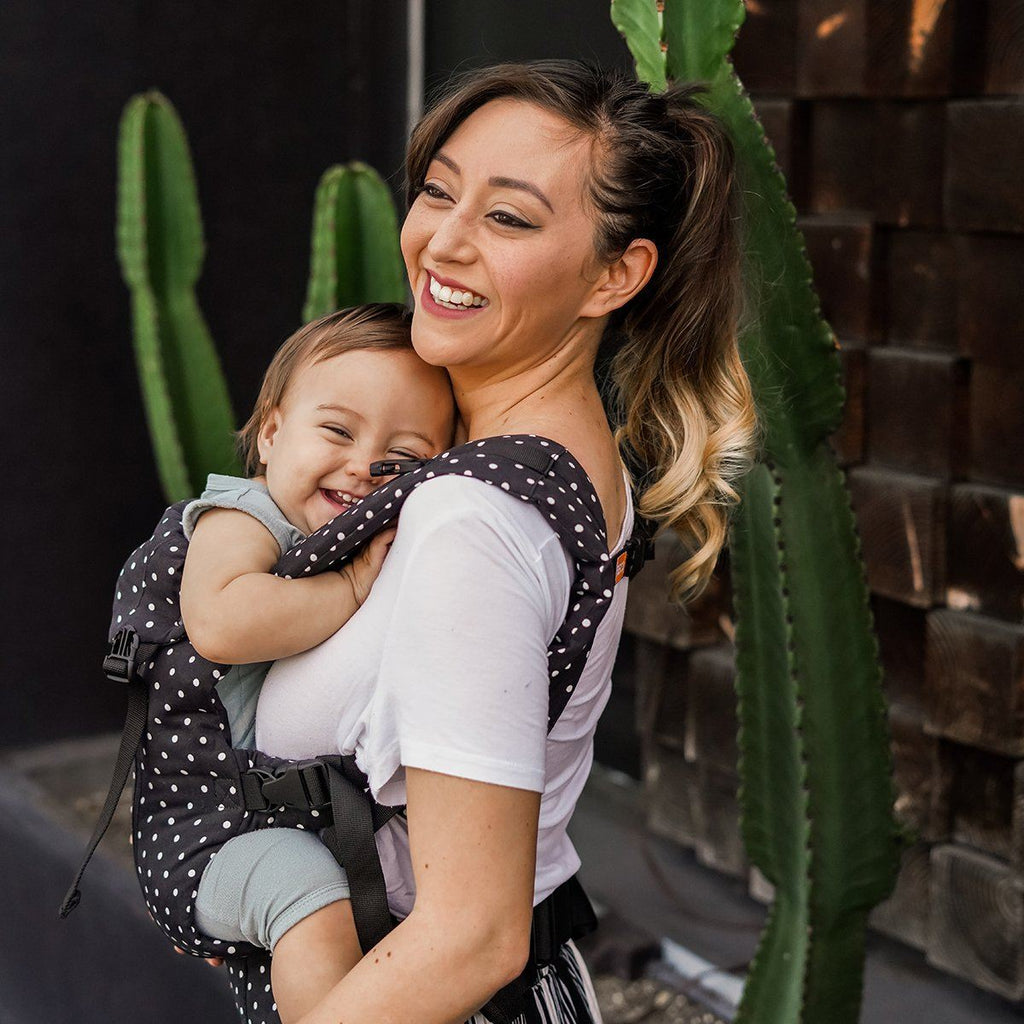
[
  {"x": 473, "y": 847},
  {"x": 235, "y": 612}
]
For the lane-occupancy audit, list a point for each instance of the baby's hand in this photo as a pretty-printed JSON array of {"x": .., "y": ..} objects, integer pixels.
[{"x": 365, "y": 567}]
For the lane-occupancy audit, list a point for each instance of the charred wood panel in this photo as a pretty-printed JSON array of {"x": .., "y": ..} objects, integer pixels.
[
  {"x": 839, "y": 246},
  {"x": 904, "y": 915},
  {"x": 1004, "y": 47},
  {"x": 900, "y": 629},
  {"x": 974, "y": 668},
  {"x": 712, "y": 725},
  {"x": 921, "y": 797},
  {"x": 901, "y": 521},
  {"x": 981, "y": 798},
  {"x": 984, "y": 156},
  {"x": 917, "y": 404},
  {"x": 990, "y": 307},
  {"x": 985, "y": 556},
  {"x": 765, "y": 54},
  {"x": 976, "y": 927},
  {"x": 997, "y": 424},
  {"x": 865, "y": 48},
  {"x": 882, "y": 157},
  {"x": 650, "y": 614},
  {"x": 921, "y": 294}
]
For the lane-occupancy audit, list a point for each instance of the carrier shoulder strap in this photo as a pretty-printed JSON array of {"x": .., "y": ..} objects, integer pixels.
[{"x": 535, "y": 469}]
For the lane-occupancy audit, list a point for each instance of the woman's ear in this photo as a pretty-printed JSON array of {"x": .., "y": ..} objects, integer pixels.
[
  {"x": 621, "y": 280},
  {"x": 268, "y": 431}
]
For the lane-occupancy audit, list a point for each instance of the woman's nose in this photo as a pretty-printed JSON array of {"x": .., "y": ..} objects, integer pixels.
[{"x": 451, "y": 239}]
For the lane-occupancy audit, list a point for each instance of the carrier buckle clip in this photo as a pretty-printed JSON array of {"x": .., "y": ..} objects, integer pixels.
[
  {"x": 119, "y": 664},
  {"x": 395, "y": 467},
  {"x": 302, "y": 786}
]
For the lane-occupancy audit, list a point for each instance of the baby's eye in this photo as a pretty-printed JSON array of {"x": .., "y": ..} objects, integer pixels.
[
  {"x": 404, "y": 455},
  {"x": 340, "y": 431}
]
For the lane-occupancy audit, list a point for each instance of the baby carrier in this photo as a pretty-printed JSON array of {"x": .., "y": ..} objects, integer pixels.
[{"x": 194, "y": 791}]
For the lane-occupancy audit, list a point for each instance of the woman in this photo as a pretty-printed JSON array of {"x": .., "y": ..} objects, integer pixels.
[{"x": 566, "y": 204}]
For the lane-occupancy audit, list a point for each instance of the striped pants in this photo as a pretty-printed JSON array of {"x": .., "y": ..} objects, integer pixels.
[{"x": 563, "y": 994}]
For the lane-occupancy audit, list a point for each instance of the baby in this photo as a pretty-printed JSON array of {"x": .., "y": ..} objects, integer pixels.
[{"x": 341, "y": 393}]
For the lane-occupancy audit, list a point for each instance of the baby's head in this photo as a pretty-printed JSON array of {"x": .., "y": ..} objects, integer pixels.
[{"x": 341, "y": 393}]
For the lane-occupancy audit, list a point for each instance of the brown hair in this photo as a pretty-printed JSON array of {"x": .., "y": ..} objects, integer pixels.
[
  {"x": 380, "y": 325},
  {"x": 663, "y": 168}
]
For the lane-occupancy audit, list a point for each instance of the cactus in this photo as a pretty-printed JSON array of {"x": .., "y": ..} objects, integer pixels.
[
  {"x": 816, "y": 791},
  {"x": 355, "y": 259},
  {"x": 160, "y": 247},
  {"x": 355, "y": 254}
]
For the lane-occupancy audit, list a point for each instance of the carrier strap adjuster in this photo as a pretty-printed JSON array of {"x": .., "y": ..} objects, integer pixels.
[
  {"x": 120, "y": 663},
  {"x": 302, "y": 786}
]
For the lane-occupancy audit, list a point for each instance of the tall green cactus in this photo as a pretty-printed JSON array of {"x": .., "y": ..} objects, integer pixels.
[
  {"x": 355, "y": 258},
  {"x": 816, "y": 788},
  {"x": 160, "y": 246},
  {"x": 355, "y": 255}
]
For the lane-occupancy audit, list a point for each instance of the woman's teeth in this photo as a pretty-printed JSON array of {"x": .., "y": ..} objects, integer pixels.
[{"x": 452, "y": 298}]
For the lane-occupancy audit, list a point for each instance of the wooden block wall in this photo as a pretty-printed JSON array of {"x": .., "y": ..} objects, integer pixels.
[{"x": 900, "y": 128}]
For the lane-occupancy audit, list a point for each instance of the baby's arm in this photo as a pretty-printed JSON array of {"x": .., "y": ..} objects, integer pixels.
[{"x": 236, "y": 612}]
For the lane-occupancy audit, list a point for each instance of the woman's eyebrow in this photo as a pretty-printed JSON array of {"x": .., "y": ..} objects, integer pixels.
[{"x": 498, "y": 181}]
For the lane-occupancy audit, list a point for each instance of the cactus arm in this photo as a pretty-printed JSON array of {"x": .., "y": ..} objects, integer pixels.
[
  {"x": 383, "y": 269},
  {"x": 639, "y": 21},
  {"x": 816, "y": 791},
  {"x": 355, "y": 253},
  {"x": 160, "y": 247}
]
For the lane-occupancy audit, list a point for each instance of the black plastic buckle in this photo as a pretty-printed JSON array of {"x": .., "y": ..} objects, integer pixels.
[
  {"x": 303, "y": 786},
  {"x": 119, "y": 664},
  {"x": 396, "y": 467},
  {"x": 639, "y": 550}
]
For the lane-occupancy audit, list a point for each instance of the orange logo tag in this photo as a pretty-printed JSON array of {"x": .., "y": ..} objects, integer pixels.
[{"x": 620, "y": 567}]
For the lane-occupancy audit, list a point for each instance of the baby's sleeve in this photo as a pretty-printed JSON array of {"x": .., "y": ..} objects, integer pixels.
[
  {"x": 463, "y": 683},
  {"x": 245, "y": 496}
]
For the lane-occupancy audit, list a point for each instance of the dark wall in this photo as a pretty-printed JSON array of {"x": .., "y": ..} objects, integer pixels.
[
  {"x": 269, "y": 99},
  {"x": 462, "y": 34}
]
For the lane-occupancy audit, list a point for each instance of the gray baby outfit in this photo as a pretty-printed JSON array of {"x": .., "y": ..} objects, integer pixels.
[{"x": 260, "y": 884}]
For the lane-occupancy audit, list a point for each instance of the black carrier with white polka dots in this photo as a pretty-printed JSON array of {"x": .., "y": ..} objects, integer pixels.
[{"x": 194, "y": 791}]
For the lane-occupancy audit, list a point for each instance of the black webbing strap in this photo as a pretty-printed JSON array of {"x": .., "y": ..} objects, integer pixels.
[
  {"x": 120, "y": 665},
  {"x": 351, "y": 839},
  {"x": 564, "y": 914}
]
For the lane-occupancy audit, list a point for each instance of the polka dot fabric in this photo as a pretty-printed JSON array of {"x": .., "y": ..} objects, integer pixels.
[{"x": 188, "y": 792}]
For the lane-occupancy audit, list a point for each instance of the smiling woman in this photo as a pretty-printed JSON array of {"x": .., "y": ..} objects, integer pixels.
[{"x": 548, "y": 204}]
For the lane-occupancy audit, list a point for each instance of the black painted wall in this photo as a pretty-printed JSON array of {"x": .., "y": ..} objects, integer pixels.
[{"x": 269, "y": 99}]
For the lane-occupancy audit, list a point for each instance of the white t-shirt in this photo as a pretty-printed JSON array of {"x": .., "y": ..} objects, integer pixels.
[{"x": 444, "y": 667}]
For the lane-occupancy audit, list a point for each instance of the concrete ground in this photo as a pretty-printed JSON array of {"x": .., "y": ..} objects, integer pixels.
[
  {"x": 671, "y": 931},
  {"x": 660, "y": 888}
]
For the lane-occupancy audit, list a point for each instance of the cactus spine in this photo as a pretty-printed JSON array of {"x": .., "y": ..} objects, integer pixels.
[
  {"x": 816, "y": 789},
  {"x": 160, "y": 247}
]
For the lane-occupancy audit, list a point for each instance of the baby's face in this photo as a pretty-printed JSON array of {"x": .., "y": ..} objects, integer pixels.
[{"x": 340, "y": 415}]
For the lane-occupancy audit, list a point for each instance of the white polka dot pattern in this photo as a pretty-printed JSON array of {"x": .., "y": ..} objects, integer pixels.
[{"x": 188, "y": 789}]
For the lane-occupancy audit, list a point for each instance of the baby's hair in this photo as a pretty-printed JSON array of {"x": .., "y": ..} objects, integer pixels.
[{"x": 377, "y": 325}]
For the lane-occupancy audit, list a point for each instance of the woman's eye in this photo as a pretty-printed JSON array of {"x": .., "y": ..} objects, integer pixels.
[
  {"x": 431, "y": 190},
  {"x": 507, "y": 220}
]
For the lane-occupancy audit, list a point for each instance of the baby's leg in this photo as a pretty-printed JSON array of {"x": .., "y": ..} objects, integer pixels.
[
  {"x": 280, "y": 888},
  {"x": 312, "y": 957}
]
